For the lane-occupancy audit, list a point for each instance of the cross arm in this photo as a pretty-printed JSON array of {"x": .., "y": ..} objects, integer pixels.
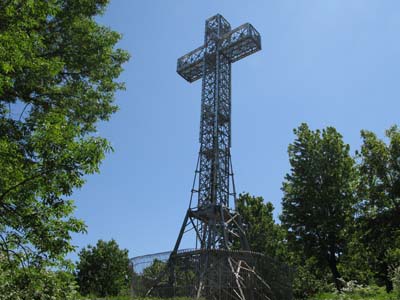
[
  {"x": 190, "y": 66},
  {"x": 235, "y": 45},
  {"x": 241, "y": 42}
]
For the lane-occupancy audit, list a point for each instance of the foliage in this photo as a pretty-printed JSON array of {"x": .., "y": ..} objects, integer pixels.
[
  {"x": 155, "y": 270},
  {"x": 57, "y": 80},
  {"x": 355, "y": 262},
  {"x": 151, "y": 275},
  {"x": 156, "y": 278},
  {"x": 395, "y": 278},
  {"x": 318, "y": 196},
  {"x": 269, "y": 238},
  {"x": 104, "y": 270},
  {"x": 379, "y": 206},
  {"x": 32, "y": 283},
  {"x": 309, "y": 278},
  {"x": 263, "y": 234},
  {"x": 358, "y": 292},
  {"x": 110, "y": 298},
  {"x": 138, "y": 298}
]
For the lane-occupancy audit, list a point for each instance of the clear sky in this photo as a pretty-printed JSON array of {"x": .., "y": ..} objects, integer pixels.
[{"x": 326, "y": 62}]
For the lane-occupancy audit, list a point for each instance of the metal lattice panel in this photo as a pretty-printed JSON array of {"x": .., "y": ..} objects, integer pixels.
[{"x": 227, "y": 275}]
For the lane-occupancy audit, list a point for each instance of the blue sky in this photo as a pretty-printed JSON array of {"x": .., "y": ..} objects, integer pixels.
[{"x": 327, "y": 63}]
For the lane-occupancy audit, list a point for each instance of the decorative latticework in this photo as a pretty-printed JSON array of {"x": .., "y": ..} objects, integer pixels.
[{"x": 229, "y": 275}]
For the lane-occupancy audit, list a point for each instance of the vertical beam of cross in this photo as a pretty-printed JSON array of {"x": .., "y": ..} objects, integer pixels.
[{"x": 215, "y": 119}]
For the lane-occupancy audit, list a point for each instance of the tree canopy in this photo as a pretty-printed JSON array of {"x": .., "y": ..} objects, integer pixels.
[
  {"x": 58, "y": 70},
  {"x": 264, "y": 235},
  {"x": 104, "y": 270},
  {"x": 379, "y": 205},
  {"x": 319, "y": 195}
]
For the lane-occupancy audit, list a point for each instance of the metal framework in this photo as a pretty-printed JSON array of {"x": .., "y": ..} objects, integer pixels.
[
  {"x": 219, "y": 271},
  {"x": 211, "y": 216},
  {"x": 274, "y": 281}
]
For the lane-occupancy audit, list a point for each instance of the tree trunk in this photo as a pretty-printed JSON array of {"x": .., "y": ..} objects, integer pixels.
[
  {"x": 388, "y": 284},
  {"x": 386, "y": 279},
  {"x": 335, "y": 273},
  {"x": 383, "y": 275}
]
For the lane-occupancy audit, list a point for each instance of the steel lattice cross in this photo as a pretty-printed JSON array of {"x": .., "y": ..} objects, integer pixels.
[
  {"x": 212, "y": 63},
  {"x": 215, "y": 224}
]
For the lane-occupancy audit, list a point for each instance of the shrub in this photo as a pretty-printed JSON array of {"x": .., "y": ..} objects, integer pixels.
[
  {"x": 395, "y": 277},
  {"x": 32, "y": 283}
]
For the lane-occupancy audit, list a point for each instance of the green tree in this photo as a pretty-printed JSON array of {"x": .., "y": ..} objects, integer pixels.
[
  {"x": 319, "y": 196},
  {"x": 57, "y": 80},
  {"x": 104, "y": 270},
  {"x": 379, "y": 208},
  {"x": 264, "y": 235}
]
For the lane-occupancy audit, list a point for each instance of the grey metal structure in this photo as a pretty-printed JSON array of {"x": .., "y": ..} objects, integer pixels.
[
  {"x": 221, "y": 266},
  {"x": 212, "y": 62}
]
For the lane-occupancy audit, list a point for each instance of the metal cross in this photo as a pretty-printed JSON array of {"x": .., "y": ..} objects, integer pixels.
[{"x": 212, "y": 62}]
